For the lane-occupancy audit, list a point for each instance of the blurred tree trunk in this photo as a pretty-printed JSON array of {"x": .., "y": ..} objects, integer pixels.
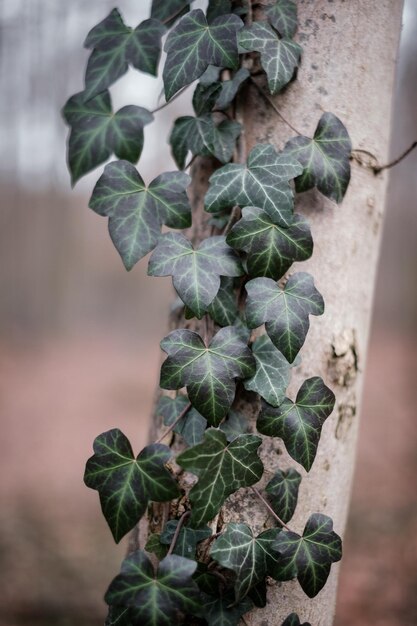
[{"x": 347, "y": 68}]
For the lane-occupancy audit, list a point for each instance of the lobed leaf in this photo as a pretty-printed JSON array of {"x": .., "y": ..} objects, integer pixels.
[
  {"x": 282, "y": 492},
  {"x": 188, "y": 538},
  {"x": 272, "y": 374},
  {"x": 283, "y": 17}
]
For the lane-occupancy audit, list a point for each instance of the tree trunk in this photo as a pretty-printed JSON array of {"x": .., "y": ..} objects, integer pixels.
[{"x": 347, "y": 68}]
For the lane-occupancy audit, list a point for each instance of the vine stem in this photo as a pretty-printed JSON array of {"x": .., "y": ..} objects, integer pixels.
[
  {"x": 165, "y": 104},
  {"x": 379, "y": 168},
  {"x": 179, "y": 418},
  {"x": 180, "y": 524},
  {"x": 270, "y": 509},
  {"x": 274, "y": 106}
]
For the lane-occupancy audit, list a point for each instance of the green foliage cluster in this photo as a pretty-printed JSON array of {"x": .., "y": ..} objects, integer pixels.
[{"x": 236, "y": 277}]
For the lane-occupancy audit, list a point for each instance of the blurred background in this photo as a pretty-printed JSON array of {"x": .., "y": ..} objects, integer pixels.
[{"x": 79, "y": 341}]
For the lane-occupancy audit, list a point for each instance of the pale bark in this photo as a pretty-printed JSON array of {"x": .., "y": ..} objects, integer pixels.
[{"x": 348, "y": 68}]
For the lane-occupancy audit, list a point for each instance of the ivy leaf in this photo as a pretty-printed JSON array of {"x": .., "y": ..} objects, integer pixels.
[
  {"x": 155, "y": 597},
  {"x": 216, "y": 8},
  {"x": 248, "y": 556},
  {"x": 126, "y": 484},
  {"x": 263, "y": 183},
  {"x": 193, "y": 45},
  {"x": 209, "y": 373},
  {"x": 222, "y": 468},
  {"x": 282, "y": 491},
  {"x": 283, "y": 17},
  {"x": 309, "y": 557},
  {"x": 136, "y": 211},
  {"x": 196, "y": 273},
  {"x": 229, "y": 89},
  {"x": 270, "y": 249},
  {"x": 154, "y": 546},
  {"x": 223, "y": 309},
  {"x": 115, "y": 46},
  {"x": 169, "y": 11},
  {"x": 210, "y": 76},
  {"x": 191, "y": 427},
  {"x": 188, "y": 538},
  {"x": 279, "y": 57},
  {"x": 258, "y": 594},
  {"x": 97, "y": 132},
  {"x": 294, "y": 620},
  {"x": 285, "y": 311},
  {"x": 272, "y": 372},
  {"x": 223, "y": 612},
  {"x": 299, "y": 423},
  {"x": 234, "y": 425},
  {"x": 325, "y": 158},
  {"x": 205, "y": 97},
  {"x": 118, "y": 616}
]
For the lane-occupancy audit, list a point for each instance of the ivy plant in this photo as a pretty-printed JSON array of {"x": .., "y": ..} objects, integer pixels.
[{"x": 194, "y": 568}]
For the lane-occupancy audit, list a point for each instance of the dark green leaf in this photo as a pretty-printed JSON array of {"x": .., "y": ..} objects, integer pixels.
[
  {"x": 126, "y": 484},
  {"x": 263, "y": 182},
  {"x": 196, "y": 273},
  {"x": 188, "y": 538},
  {"x": 184, "y": 128},
  {"x": 118, "y": 616},
  {"x": 193, "y": 45},
  {"x": 294, "y": 620},
  {"x": 209, "y": 373},
  {"x": 285, "y": 311},
  {"x": 248, "y": 556},
  {"x": 234, "y": 425},
  {"x": 283, "y": 17},
  {"x": 279, "y": 57},
  {"x": 272, "y": 372},
  {"x": 191, "y": 426},
  {"x": 270, "y": 249},
  {"x": 217, "y": 8},
  {"x": 97, "y": 132},
  {"x": 229, "y": 89},
  {"x": 210, "y": 76},
  {"x": 156, "y": 597},
  {"x": 282, "y": 491},
  {"x": 325, "y": 158},
  {"x": 207, "y": 582},
  {"x": 222, "y": 468},
  {"x": 299, "y": 423},
  {"x": 223, "y": 612},
  {"x": 223, "y": 309},
  {"x": 258, "y": 594},
  {"x": 169, "y": 11},
  {"x": 309, "y": 557},
  {"x": 154, "y": 546},
  {"x": 205, "y": 97},
  {"x": 136, "y": 211}
]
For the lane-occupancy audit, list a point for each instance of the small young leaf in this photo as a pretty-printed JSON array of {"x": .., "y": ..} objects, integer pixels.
[
  {"x": 126, "y": 484},
  {"x": 223, "y": 612},
  {"x": 210, "y": 76},
  {"x": 155, "y": 597},
  {"x": 299, "y": 423},
  {"x": 285, "y": 311},
  {"x": 229, "y": 89},
  {"x": 188, "y": 538},
  {"x": 282, "y": 491},
  {"x": 169, "y": 11},
  {"x": 294, "y": 620},
  {"x": 209, "y": 373},
  {"x": 309, "y": 557},
  {"x": 234, "y": 425},
  {"x": 193, "y": 45},
  {"x": 249, "y": 557},
  {"x": 272, "y": 372},
  {"x": 223, "y": 309},
  {"x": 205, "y": 97},
  {"x": 97, "y": 132},
  {"x": 263, "y": 182},
  {"x": 136, "y": 211},
  {"x": 222, "y": 468},
  {"x": 196, "y": 273},
  {"x": 279, "y": 57},
  {"x": 283, "y": 17},
  {"x": 154, "y": 546},
  {"x": 270, "y": 249},
  {"x": 191, "y": 427},
  {"x": 325, "y": 158}
]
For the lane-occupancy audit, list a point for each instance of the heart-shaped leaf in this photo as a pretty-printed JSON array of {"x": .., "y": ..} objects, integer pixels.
[
  {"x": 191, "y": 426},
  {"x": 194, "y": 44},
  {"x": 270, "y": 249},
  {"x": 294, "y": 620},
  {"x": 196, "y": 273},
  {"x": 223, "y": 612},
  {"x": 188, "y": 538},
  {"x": 97, "y": 132},
  {"x": 299, "y": 423},
  {"x": 279, "y": 57},
  {"x": 325, "y": 158},
  {"x": 251, "y": 558},
  {"x": 169, "y": 11},
  {"x": 222, "y": 468},
  {"x": 263, "y": 182},
  {"x": 155, "y": 597},
  {"x": 272, "y": 372},
  {"x": 223, "y": 309},
  {"x": 285, "y": 312},
  {"x": 209, "y": 373},
  {"x": 115, "y": 46},
  {"x": 282, "y": 491},
  {"x": 309, "y": 557},
  {"x": 136, "y": 211},
  {"x": 283, "y": 17},
  {"x": 126, "y": 484}
]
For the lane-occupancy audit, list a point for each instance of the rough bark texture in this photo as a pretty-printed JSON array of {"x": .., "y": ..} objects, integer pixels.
[{"x": 348, "y": 68}]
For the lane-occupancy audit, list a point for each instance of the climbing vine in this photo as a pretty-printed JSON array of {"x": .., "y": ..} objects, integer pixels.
[{"x": 236, "y": 280}]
